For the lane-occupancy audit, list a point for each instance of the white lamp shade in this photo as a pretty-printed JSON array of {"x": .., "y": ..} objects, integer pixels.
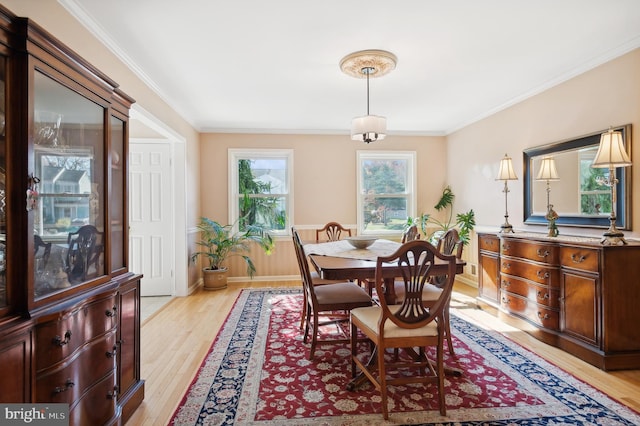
[
  {"x": 506, "y": 169},
  {"x": 368, "y": 128},
  {"x": 611, "y": 152},
  {"x": 548, "y": 169}
]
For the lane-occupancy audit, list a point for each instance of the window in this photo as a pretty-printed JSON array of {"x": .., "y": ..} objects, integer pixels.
[
  {"x": 260, "y": 188},
  {"x": 386, "y": 191}
]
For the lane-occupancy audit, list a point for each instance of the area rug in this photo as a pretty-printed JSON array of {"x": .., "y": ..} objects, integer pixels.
[{"x": 258, "y": 373}]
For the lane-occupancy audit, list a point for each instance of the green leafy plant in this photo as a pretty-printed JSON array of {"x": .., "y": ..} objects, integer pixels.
[
  {"x": 220, "y": 242},
  {"x": 465, "y": 222}
]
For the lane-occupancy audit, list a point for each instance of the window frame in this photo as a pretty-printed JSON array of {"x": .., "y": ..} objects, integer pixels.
[
  {"x": 236, "y": 154},
  {"x": 411, "y": 189}
]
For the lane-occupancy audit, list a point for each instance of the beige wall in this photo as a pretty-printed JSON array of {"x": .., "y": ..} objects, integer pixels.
[
  {"x": 324, "y": 182},
  {"x": 607, "y": 95}
]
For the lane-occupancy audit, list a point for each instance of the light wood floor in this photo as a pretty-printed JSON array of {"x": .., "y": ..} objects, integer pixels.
[{"x": 176, "y": 338}]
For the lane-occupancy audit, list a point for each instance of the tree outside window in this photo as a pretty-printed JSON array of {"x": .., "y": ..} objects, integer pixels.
[
  {"x": 386, "y": 183},
  {"x": 261, "y": 189}
]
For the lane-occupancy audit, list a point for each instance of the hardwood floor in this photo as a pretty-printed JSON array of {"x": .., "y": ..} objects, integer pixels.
[{"x": 176, "y": 339}]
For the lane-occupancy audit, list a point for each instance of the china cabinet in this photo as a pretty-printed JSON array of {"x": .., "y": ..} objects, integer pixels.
[
  {"x": 69, "y": 306},
  {"x": 570, "y": 292}
]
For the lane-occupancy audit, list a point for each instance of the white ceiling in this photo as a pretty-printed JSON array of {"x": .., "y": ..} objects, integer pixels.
[{"x": 272, "y": 66}]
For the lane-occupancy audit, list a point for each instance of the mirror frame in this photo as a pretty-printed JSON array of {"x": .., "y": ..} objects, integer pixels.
[{"x": 623, "y": 188}]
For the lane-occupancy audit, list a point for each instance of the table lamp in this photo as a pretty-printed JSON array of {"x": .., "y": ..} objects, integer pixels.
[
  {"x": 506, "y": 173},
  {"x": 611, "y": 154}
]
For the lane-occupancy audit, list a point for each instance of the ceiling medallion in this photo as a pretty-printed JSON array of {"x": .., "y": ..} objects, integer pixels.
[{"x": 379, "y": 62}]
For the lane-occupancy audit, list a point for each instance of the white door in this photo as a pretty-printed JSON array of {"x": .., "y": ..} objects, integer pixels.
[{"x": 151, "y": 217}]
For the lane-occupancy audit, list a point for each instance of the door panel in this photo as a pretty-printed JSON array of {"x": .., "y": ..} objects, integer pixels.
[{"x": 151, "y": 220}]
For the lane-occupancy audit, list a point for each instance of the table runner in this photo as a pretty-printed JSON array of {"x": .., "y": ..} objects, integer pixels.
[{"x": 343, "y": 249}]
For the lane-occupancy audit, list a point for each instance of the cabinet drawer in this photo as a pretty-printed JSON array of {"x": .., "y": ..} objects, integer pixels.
[
  {"x": 541, "y": 274},
  {"x": 538, "y": 314},
  {"x": 67, "y": 381},
  {"x": 58, "y": 338},
  {"x": 489, "y": 242},
  {"x": 579, "y": 258},
  {"x": 98, "y": 404},
  {"x": 537, "y": 293},
  {"x": 536, "y": 251}
]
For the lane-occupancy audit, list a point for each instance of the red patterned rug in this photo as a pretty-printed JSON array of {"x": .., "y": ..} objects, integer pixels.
[{"x": 257, "y": 372}]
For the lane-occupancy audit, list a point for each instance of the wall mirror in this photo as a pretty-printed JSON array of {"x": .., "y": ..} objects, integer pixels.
[{"x": 576, "y": 196}]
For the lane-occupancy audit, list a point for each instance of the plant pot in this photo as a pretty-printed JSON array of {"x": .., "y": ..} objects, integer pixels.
[{"x": 214, "y": 279}]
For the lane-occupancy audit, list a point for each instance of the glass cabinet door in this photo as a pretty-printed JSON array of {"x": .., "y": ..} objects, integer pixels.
[
  {"x": 116, "y": 202},
  {"x": 68, "y": 217}
]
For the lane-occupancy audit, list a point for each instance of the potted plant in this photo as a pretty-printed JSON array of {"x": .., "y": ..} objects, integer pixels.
[
  {"x": 465, "y": 222},
  {"x": 220, "y": 242}
]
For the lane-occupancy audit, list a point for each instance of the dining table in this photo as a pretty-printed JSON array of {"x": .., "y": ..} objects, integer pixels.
[{"x": 339, "y": 260}]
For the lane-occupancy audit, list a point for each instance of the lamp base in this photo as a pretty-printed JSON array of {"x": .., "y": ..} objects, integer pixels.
[
  {"x": 506, "y": 228},
  {"x": 613, "y": 238}
]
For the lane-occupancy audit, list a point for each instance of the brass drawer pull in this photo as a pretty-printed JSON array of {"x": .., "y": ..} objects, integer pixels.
[
  {"x": 542, "y": 254},
  {"x": 542, "y": 275},
  {"x": 506, "y": 265},
  {"x": 542, "y": 295},
  {"x": 59, "y": 341},
  {"x": 543, "y": 317},
  {"x": 506, "y": 284},
  {"x": 68, "y": 385},
  {"x": 577, "y": 259},
  {"x": 506, "y": 247}
]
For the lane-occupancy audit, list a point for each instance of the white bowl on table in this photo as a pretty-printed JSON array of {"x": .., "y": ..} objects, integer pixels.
[{"x": 361, "y": 242}]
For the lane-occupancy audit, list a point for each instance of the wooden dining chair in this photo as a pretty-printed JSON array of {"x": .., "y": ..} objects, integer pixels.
[
  {"x": 405, "y": 326},
  {"x": 332, "y": 231},
  {"x": 38, "y": 242},
  {"x": 315, "y": 277},
  {"x": 331, "y": 302},
  {"x": 451, "y": 244}
]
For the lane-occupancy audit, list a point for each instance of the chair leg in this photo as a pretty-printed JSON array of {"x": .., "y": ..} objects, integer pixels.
[
  {"x": 354, "y": 349},
  {"x": 448, "y": 332},
  {"x": 383, "y": 383},
  {"x": 303, "y": 314},
  {"x": 440, "y": 361},
  {"x": 314, "y": 335}
]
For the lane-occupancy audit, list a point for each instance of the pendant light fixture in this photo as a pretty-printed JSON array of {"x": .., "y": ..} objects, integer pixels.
[{"x": 368, "y": 64}]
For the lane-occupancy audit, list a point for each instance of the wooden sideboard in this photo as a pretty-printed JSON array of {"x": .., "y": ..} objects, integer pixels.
[{"x": 579, "y": 295}]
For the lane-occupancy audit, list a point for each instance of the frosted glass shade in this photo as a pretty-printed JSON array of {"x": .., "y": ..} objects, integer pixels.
[{"x": 368, "y": 128}]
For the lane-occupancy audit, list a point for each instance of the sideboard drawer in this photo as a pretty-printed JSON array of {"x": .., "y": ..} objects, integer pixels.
[
  {"x": 536, "y": 251},
  {"x": 581, "y": 258},
  {"x": 543, "y": 295},
  {"x": 536, "y": 313},
  {"x": 489, "y": 242},
  {"x": 541, "y": 274}
]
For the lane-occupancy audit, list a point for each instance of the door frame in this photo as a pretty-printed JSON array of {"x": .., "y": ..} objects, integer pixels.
[{"x": 179, "y": 189}]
